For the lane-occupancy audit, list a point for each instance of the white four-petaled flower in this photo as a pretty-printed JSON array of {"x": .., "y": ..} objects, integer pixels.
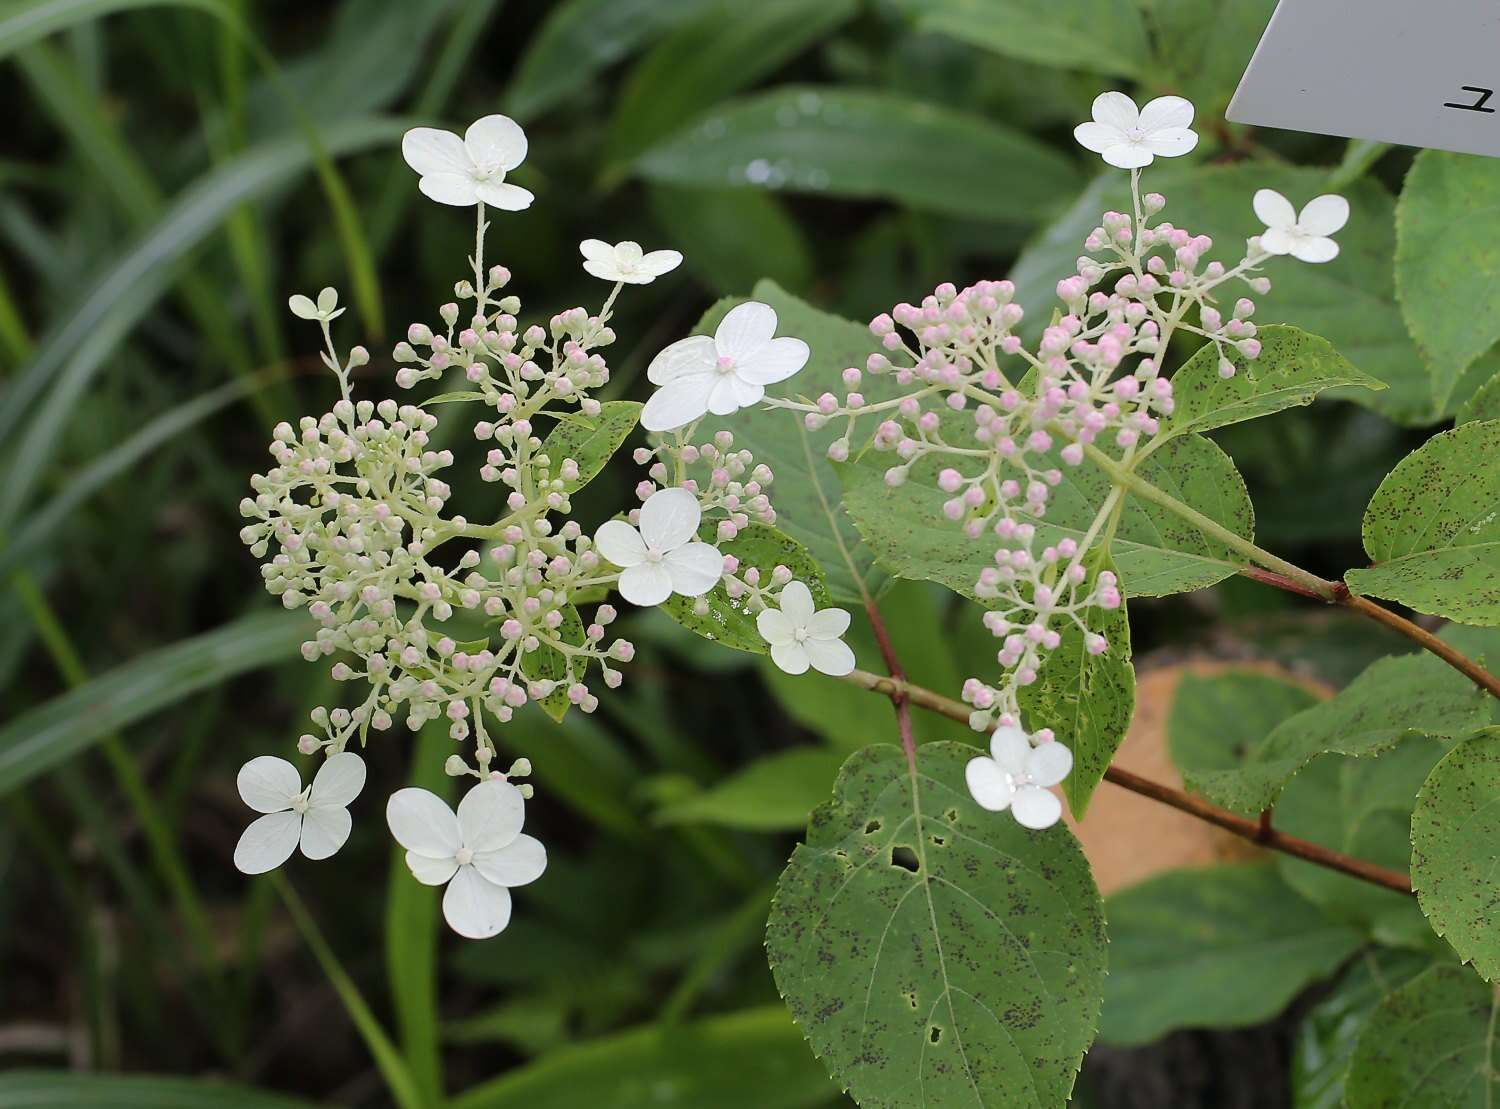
[
  {"x": 663, "y": 555},
  {"x": 722, "y": 374},
  {"x": 317, "y": 817},
  {"x": 471, "y": 169},
  {"x": 480, "y": 852},
  {"x": 325, "y": 308},
  {"x": 1130, "y": 137},
  {"x": 626, "y": 261},
  {"x": 801, "y": 636},
  {"x": 1016, "y": 774},
  {"x": 1304, "y": 235}
]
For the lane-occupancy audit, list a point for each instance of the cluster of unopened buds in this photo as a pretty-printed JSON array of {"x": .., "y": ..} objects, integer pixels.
[{"x": 452, "y": 621}]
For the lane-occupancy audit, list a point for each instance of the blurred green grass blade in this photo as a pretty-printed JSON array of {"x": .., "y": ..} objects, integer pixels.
[
  {"x": 582, "y": 37},
  {"x": 392, "y": 1067},
  {"x": 753, "y": 1059},
  {"x": 41, "y": 525},
  {"x": 708, "y": 59},
  {"x": 39, "y": 1089},
  {"x": 581, "y": 765},
  {"x": 412, "y": 930},
  {"x": 772, "y": 794},
  {"x": 15, "y": 340},
  {"x": 55, "y": 731},
  {"x": 847, "y": 142},
  {"x": 23, "y": 22},
  {"x": 741, "y": 931},
  {"x": 70, "y": 356},
  {"x": 753, "y": 237}
]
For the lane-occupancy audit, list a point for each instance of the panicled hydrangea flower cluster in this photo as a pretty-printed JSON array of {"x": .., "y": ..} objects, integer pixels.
[
  {"x": 444, "y": 619},
  {"x": 994, "y": 422}
]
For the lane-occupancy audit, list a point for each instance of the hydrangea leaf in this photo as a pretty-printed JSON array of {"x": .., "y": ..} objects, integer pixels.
[
  {"x": 1362, "y": 807},
  {"x": 772, "y": 794},
  {"x": 1430, "y": 1043},
  {"x": 729, "y": 620},
  {"x": 856, "y": 143},
  {"x": 1392, "y": 699},
  {"x": 936, "y": 954},
  {"x": 549, "y": 664},
  {"x": 1455, "y": 838},
  {"x": 806, "y": 491},
  {"x": 1086, "y": 699},
  {"x": 1350, "y": 301},
  {"x": 1218, "y": 719},
  {"x": 1292, "y": 369},
  {"x": 1157, "y": 553},
  {"x": 1327, "y": 1035},
  {"x": 1483, "y": 403},
  {"x": 591, "y": 441},
  {"x": 1433, "y": 528},
  {"x": 1447, "y": 221},
  {"x": 1182, "y": 945},
  {"x": 1064, "y": 35}
]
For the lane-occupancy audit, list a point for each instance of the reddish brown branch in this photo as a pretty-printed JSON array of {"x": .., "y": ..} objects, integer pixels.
[
  {"x": 902, "y": 693},
  {"x": 896, "y": 693}
]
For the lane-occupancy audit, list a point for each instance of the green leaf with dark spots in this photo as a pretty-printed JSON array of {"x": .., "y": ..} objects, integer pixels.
[
  {"x": 1213, "y": 947},
  {"x": 1292, "y": 369},
  {"x": 729, "y": 620},
  {"x": 1430, "y": 1045},
  {"x": 1432, "y": 529},
  {"x": 1218, "y": 719},
  {"x": 1455, "y": 840},
  {"x": 936, "y": 954},
  {"x": 591, "y": 441},
  {"x": 547, "y": 663},
  {"x": 1392, "y": 699}
]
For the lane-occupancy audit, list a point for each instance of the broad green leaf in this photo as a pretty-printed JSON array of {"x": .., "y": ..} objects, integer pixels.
[
  {"x": 1350, "y": 301},
  {"x": 549, "y": 664},
  {"x": 26, "y": 21},
  {"x": 580, "y": 38},
  {"x": 1394, "y": 698},
  {"x": 1293, "y": 368},
  {"x": 858, "y": 143},
  {"x": 1455, "y": 839},
  {"x": 1447, "y": 221},
  {"x": 412, "y": 930},
  {"x": 1100, "y": 36},
  {"x": 753, "y": 1059},
  {"x": 591, "y": 441},
  {"x": 41, "y": 1089},
  {"x": 1362, "y": 807},
  {"x": 1433, "y": 528},
  {"x": 1214, "y": 947},
  {"x": 1157, "y": 553},
  {"x": 753, "y": 237},
  {"x": 1204, "y": 45},
  {"x": 934, "y": 953},
  {"x": 729, "y": 620},
  {"x": 1218, "y": 719},
  {"x": 70, "y": 356},
  {"x": 53, "y": 732},
  {"x": 1086, "y": 699},
  {"x": 772, "y": 794},
  {"x": 1327, "y": 1035},
  {"x": 712, "y": 58},
  {"x": 806, "y": 491},
  {"x": 1430, "y": 1043},
  {"x": 1484, "y": 404}
]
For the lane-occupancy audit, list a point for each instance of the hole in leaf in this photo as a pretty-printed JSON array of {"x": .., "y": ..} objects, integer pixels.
[
  {"x": 905, "y": 858},
  {"x": 934, "y": 1034},
  {"x": 872, "y": 827},
  {"x": 939, "y": 841},
  {"x": 951, "y": 816}
]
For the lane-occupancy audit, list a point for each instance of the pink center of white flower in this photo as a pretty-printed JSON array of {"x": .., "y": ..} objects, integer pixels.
[
  {"x": 1136, "y": 134},
  {"x": 725, "y": 365},
  {"x": 654, "y": 554},
  {"x": 463, "y": 856}
]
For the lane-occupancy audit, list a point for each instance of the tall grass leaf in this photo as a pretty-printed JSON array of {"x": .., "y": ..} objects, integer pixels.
[
  {"x": 38, "y": 1089},
  {"x": 22, "y": 24},
  {"x": 55, "y": 731},
  {"x": 70, "y": 356}
]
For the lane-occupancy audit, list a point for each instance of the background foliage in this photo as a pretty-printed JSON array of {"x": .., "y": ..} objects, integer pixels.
[{"x": 173, "y": 170}]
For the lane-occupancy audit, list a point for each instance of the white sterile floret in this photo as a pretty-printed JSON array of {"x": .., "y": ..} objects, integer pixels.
[
  {"x": 471, "y": 169},
  {"x": 801, "y": 636},
  {"x": 479, "y": 852},
  {"x": 1131, "y": 137},
  {"x": 663, "y": 556},
  {"x": 317, "y": 817},
  {"x": 626, "y": 261},
  {"x": 722, "y": 374},
  {"x": 1304, "y": 235},
  {"x": 1016, "y": 775},
  {"x": 325, "y": 308}
]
